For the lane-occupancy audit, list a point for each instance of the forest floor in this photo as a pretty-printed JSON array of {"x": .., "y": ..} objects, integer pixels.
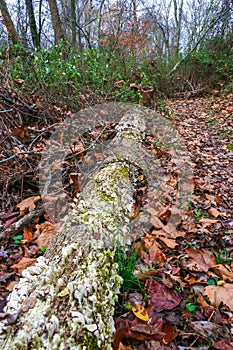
[{"x": 187, "y": 296}]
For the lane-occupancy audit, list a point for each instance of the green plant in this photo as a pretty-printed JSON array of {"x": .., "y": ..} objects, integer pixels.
[
  {"x": 42, "y": 250},
  {"x": 212, "y": 281},
  {"x": 126, "y": 266},
  {"x": 222, "y": 257},
  {"x": 200, "y": 214},
  {"x": 17, "y": 239},
  {"x": 191, "y": 307}
]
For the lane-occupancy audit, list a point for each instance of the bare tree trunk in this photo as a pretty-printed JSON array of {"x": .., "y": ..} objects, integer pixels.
[
  {"x": 32, "y": 23},
  {"x": 178, "y": 12},
  {"x": 66, "y": 301},
  {"x": 73, "y": 23},
  {"x": 56, "y": 21},
  {"x": 11, "y": 31}
]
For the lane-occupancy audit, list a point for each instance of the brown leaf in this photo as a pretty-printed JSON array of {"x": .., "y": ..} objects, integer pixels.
[
  {"x": 23, "y": 264},
  {"x": 222, "y": 345},
  {"x": 170, "y": 243},
  {"x": 28, "y": 204},
  {"x": 170, "y": 333},
  {"x": 224, "y": 272},
  {"x": 162, "y": 297},
  {"x": 200, "y": 260},
  {"x": 151, "y": 251},
  {"x": 206, "y": 329},
  {"x": 11, "y": 285},
  {"x": 124, "y": 347},
  {"x": 207, "y": 222},
  {"x": 46, "y": 232},
  {"x": 29, "y": 303},
  {"x": 75, "y": 183},
  {"x": 215, "y": 213},
  {"x": 218, "y": 294},
  {"x": 27, "y": 235}
]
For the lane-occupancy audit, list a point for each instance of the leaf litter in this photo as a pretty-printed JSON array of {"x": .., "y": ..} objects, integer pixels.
[{"x": 187, "y": 272}]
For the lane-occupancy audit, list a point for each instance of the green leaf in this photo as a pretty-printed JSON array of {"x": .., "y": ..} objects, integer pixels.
[
  {"x": 191, "y": 307},
  {"x": 212, "y": 281},
  {"x": 17, "y": 239}
]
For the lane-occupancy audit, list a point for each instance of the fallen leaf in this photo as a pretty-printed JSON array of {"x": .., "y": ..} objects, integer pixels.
[
  {"x": 63, "y": 292},
  {"x": 140, "y": 312},
  {"x": 75, "y": 183},
  {"x": 11, "y": 285},
  {"x": 29, "y": 303},
  {"x": 224, "y": 272},
  {"x": 218, "y": 294},
  {"x": 215, "y": 213},
  {"x": 222, "y": 345},
  {"x": 27, "y": 235},
  {"x": 162, "y": 297},
  {"x": 46, "y": 232},
  {"x": 207, "y": 329},
  {"x": 124, "y": 347},
  {"x": 170, "y": 333},
  {"x": 200, "y": 260},
  {"x": 170, "y": 243},
  {"x": 23, "y": 264},
  {"x": 28, "y": 204}
]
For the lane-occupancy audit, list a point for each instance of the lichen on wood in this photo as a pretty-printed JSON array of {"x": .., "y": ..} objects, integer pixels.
[{"x": 66, "y": 301}]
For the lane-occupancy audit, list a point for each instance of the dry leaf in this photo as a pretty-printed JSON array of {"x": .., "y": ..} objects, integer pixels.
[
  {"x": 224, "y": 272},
  {"x": 200, "y": 260},
  {"x": 63, "y": 292},
  {"x": 28, "y": 204},
  {"x": 140, "y": 312},
  {"x": 23, "y": 264},
  {"x": 215, "y": 213},
  {"x": 162, "y": 297},
  {"x": 27, "y": 235},
  {"x": 170, "y": 243},
  {"x": 46, "y": 233},
  {"x": 218, "y": 294},
  {"x": 29, "y": 303},
  {"x": 11, "y": 285}
]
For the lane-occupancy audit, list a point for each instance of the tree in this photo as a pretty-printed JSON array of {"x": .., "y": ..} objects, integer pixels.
[
  {"x": 11, "y": 30},
  {"x": 32, "y": 23},
  {"x": 56, "y": 21},
  {"x": 178, "y": 13}
]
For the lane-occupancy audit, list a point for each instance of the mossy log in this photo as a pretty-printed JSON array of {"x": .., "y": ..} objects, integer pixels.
[{"x": 66, "y": 301}]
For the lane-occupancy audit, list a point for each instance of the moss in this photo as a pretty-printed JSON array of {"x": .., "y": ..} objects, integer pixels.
[{"x": 107, "y": 181}]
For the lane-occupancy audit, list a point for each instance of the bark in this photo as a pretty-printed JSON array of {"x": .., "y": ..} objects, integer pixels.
[
  {"x": 11, "y": 31},
  {"x": 32, "y": 23},
  {"x": 73, "y": 23},
  {"x": 66, "y": 301},
  {"x": 56, "y": 21}
]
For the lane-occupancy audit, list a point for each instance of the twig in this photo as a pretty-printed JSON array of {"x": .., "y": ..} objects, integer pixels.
[
  {"x": 20, "y": 153},
  {"x": 27, "y": 219},
  {"x": 7, "y": 110}
]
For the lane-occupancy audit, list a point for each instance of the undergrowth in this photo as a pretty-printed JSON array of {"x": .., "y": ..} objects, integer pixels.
[{"x": 127, "y": 262}]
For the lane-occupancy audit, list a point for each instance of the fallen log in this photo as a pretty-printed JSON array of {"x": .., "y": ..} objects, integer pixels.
[{"x": 66, "y": 301}]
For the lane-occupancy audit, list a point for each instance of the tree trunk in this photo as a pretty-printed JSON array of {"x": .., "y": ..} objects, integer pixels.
[
  {"x": 73, "y": 24},
  {"x": 32, "y": 23},
  {"x": 56, "y": 21},
  {"x": 11, "y": 31},
  {"x": 66, "y": 301}
]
